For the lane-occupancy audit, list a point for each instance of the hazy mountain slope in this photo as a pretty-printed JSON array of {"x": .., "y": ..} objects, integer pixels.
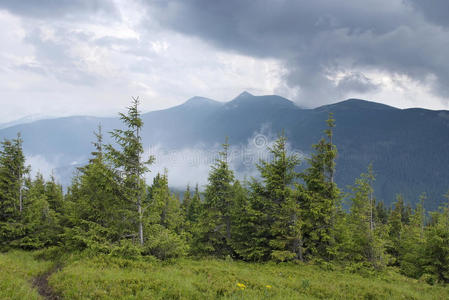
[{"x": 408, "y": 148}]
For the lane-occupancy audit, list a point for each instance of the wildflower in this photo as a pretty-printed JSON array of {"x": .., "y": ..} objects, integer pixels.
[
  {"x": 241, "y": 286},
  {"x": 268, "y": 286}
]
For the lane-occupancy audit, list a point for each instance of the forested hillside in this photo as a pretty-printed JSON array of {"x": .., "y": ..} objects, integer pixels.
[
  {"x": 406, "y": 147},
  {"x": 109, "y": 211}
]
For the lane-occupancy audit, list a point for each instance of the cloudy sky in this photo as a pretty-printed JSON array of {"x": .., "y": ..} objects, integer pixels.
[{"x": 67, "y": 57}]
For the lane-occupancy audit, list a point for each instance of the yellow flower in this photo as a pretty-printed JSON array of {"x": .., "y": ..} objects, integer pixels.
[
  {"x": 268, "y": 286},
  {"x": 241, "y": 286}
]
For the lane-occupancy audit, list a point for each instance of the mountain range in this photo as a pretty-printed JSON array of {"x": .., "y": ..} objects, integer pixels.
[{"x": 407, "y": 147}]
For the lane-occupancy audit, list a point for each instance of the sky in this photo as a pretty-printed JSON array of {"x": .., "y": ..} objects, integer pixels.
[{"x": 88, "y": 57}]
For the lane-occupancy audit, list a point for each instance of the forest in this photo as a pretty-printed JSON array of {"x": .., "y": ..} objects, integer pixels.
[{"x": 299, "y": 220}]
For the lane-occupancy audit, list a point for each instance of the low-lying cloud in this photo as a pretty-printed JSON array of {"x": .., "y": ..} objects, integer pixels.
[{"x": 192, "y": 165}]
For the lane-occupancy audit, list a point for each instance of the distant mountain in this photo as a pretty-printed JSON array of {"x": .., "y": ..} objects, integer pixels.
[{"x": 408, "y": 147}]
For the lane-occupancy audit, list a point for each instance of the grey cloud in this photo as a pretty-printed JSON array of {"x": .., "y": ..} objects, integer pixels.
[
  {"x": 54, "y": 58},
  {"x": 57, "y": 8},
  {"x": 357, "y": 82},
  {"x": 435, "y": 11},
  {"x": 313, "y": 38}
]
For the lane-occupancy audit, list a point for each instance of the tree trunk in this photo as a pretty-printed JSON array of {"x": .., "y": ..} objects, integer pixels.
[
  {"x": 139, "y": 209},
  {"x": 20, "y": 198}
]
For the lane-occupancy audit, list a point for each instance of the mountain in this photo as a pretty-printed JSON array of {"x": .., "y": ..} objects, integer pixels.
[{"x": 408, "y": 147}]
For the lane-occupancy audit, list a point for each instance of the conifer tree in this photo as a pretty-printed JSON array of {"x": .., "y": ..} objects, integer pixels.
[
  {"x": 214, "y": 235},
  {"x": 40, "y": 222},
  {"x": 273, "y": 211},
  {"x": 12, "y": 171},
  {"x": 367, "y": 243},
  {"x": 128, "y": 159},
  {"x": 395, "y": 229},
  {"x": 194, "y": 210},
  {"x": 413, "y": 242},
  {"x": 163, "y": 221},
  {"x": 96, "y": 208},
  {"x": 320, "y": 202},
  {"x": 186, "y": 201},
  {"x": 436, "y": 250}
]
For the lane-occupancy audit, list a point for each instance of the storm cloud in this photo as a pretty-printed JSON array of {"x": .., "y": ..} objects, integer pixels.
[
  {"x": 329, "y": 48},
  {"x": 61, "y": 58}
]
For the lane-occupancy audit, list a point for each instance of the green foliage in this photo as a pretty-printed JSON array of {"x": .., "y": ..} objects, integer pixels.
[
  {"x": 214, "y": 230},
  {"x": 436, "y": 249},
  {"x": 219, "y": 279},
  {"x": 164, "y": 243},
  {"x": 366, "y": 232},
  {"x": 320, "y": 199},
  {"x": 111, "y": 215},
  {"x": 17, "y": 271},
  {"x": 127, "y": 160}
]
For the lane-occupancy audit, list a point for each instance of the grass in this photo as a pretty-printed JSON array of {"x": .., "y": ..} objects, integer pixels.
[
  {"x": 17, "y": 270},
  {"x": 215, "y": 279},
  {"x": 113, "y": 278}
]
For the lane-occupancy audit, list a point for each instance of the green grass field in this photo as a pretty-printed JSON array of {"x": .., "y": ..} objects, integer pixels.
[
  {"x": 112, "y": 278},
  {"x": 17, "y": 271}
]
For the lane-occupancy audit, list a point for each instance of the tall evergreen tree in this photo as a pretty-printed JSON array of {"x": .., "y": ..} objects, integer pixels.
[
  {"x": 272, "y": 212},
  {"x": 366, "y": 240},
  {"x": 436, "y": 249},
  {"x": 96, "y": 209},
  {"x": 395, "y": 230},
  {"x": 320, "y": 199},
  {"x": 215, "y": 222},
  {"x": 163, "y": 221},
  {"x": 12, "y": 171},
  {"x": 128, "y": 159}
]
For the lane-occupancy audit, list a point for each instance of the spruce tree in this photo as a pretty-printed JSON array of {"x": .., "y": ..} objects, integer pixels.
[
  {"x": 320, "y": 200},
  {"x": 12, "y": 171},
  {"x": 366, "y": 240},
  {"x": 163, "y": 221},
  {"x": 395, "y": 231},
  {"x": 128, "y": 160},
  {"x": 214, "y": 236},
  {"x": 413, "y": 242},
  {"x": 273, "y": 211},
  {"x": 96, "y": 208},
  {"x": 436, "y": 250}
]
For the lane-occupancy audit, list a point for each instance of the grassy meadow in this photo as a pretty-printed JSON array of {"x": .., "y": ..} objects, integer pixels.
[
  {"x": 17, "y": 272},
  {"x": 103, "y": 277}
]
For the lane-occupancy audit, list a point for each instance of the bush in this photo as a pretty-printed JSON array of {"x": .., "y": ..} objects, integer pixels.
[{"x": 164, "y": 244}]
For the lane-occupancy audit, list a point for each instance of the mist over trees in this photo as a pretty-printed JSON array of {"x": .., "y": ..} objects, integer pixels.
[{"x": 285, "y": 216}]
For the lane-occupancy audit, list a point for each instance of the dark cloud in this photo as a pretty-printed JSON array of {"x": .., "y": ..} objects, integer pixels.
[
  {"x": 316, "y": 39},
  {"x": 435, "y": 11},
  {"x": 57, "y": 8}
]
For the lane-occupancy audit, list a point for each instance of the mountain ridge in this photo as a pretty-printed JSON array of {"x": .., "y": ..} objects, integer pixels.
[{"x": 406, "y": 146}]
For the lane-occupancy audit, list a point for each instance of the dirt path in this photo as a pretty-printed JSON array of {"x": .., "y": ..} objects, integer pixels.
[{"x": 41, "y": 284}]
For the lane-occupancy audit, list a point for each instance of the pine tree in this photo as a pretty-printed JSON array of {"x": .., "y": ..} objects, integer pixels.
[
  {"x": 128, "y": 159},
  {"x": 413, "y": 242},
  {"x": 320, "y": 201},
  {"x": 273, "y": 210},
  {"x": 436, "y": 250},
  {"x": 163, "y": 207},
  {"x": 367, "y": 244},
  {"x": 163, "y": 221},
  {"x": 41, "y": 223},
  {"x": 96, "y": 210},
  {"x": 395, "y": 230},
  {"x": 214, "y": 235},
  {"x": 12, "y": 171},
  {"x": 186, "y": 201}
]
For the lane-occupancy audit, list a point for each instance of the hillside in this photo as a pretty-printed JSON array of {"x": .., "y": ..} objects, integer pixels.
[
  {"x": 406, "y": 146},
  {"x": 104, "y": 277}
]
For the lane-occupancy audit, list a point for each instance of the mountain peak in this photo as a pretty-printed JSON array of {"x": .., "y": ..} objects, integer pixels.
[
  {"x": 197, "y": 101},
  {"x": 359, "y": 104},
  {"x": 244, "y": 94}
]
